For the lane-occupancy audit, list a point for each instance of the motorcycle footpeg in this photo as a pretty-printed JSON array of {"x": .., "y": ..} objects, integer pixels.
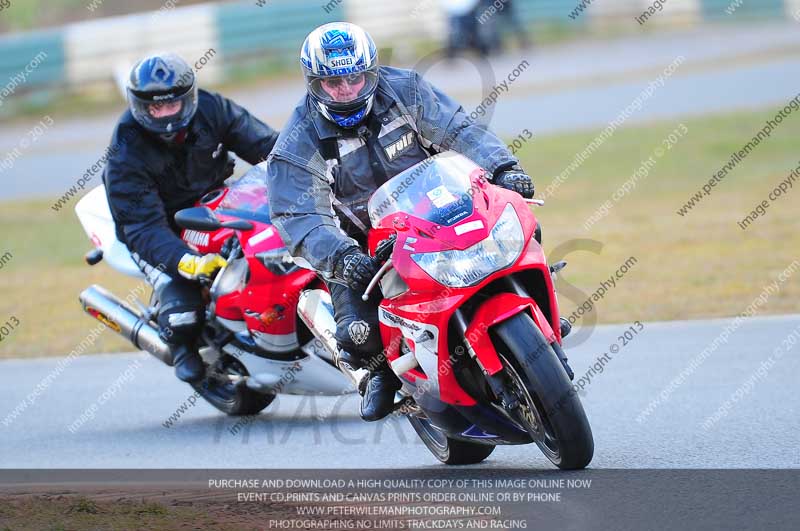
[
  {"x": 351, "y": 367},
  {"x": 216, "y": 378},
  {"x": 236, "y": 380},
  {"x": 362, "y": 383},
  {"x": 405, "y": 406},
  {"x": 93, "y": 257}
]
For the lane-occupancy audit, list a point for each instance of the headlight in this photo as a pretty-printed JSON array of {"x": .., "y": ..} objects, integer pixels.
[
  {"x": 278, "y": 261},
  {"x": 459, "y": 269}
]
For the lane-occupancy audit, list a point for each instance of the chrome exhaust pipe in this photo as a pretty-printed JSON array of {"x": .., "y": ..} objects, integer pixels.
[
  {"x": 316, "y": 310},
  {"x": 124, "y": 320}
]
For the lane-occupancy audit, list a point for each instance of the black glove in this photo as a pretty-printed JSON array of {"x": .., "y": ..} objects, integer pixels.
[
  {"x": 355, "y": 269},
  {"x": 516, "y": 180}
]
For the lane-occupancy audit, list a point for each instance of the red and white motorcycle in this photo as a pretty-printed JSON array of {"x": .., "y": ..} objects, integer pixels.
[
  {"x": 469, "y": 317},
  {"x": 253, "y": 343}
]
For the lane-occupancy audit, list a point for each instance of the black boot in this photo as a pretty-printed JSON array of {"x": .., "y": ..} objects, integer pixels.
[
  {"x": 188, "y": 363},
  {"x": 378, "y": 399}
]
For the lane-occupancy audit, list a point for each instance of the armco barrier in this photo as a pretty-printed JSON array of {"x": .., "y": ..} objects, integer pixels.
[
  {"x": 246, "y": 30},
  {"x": 17, "y": 52}
]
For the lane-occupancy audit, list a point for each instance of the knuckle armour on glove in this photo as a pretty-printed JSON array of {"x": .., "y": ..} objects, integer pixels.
[
  {"x": 356, "y": 270},
  {"x": 516, "y": 180},
  {"x": 193, "y": 267}
]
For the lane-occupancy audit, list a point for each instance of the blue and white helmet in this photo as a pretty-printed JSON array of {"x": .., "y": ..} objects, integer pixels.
[{"x": 340, "y": 65}]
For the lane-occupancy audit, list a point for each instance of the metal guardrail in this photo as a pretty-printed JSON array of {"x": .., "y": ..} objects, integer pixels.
[
  {"x": 38, "y": 56},
  {"x": 246, "y": 30}
]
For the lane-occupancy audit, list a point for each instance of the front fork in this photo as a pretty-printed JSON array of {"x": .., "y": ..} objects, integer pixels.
[
  {"x": 479, "y": 345},
  {"x": 519, "y": 290},
  {"x": 495, "y": 379}
]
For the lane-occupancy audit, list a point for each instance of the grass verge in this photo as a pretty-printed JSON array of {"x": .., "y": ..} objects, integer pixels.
[{"x": 127, "y": 511}]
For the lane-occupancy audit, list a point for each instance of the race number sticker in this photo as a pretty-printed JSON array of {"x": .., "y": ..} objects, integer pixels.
[{"x": 441, "y": 196}]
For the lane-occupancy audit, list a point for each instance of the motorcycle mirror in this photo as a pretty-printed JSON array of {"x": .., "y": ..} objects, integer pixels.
[
  {"x": 238, "y": 224},
  {"x": 197, "y": 218}
]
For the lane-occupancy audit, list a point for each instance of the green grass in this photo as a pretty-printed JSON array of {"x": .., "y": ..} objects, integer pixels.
[
  {"x": 42, "y": 281},
  {"x": 124, "y": 511},
  {"x": 700, "y": 265}
]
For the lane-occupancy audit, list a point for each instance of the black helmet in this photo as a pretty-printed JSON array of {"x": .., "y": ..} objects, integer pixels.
[{"x": 162, "y": 81}]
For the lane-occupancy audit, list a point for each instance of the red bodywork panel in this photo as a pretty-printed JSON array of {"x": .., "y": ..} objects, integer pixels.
[
  {"x": 268, "y": 301},
  {"x": 428, "y": 303}
]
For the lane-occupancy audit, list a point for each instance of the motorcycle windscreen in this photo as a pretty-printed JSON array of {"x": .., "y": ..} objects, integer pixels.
[
  {"x": 247, "y": 197},
  {"x": 438, "y": 189}
]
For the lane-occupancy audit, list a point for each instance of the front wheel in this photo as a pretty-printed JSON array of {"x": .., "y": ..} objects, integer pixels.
[
  {"x": 448, "y": 451},
  {"x": 229, "y": 398},
  {"x": 549, "y": 409}
]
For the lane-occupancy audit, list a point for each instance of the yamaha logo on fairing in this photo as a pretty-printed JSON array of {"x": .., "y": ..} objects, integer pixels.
[
  {"x": 342, "y": 61},
  {"x": 196, "y": 238}
]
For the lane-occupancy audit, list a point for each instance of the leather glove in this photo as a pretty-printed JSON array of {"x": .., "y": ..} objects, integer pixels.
[
  {"x": 517, "y": 180},
  {"x": 355, "y": 269},
  {"x": 196, "y": 267}
]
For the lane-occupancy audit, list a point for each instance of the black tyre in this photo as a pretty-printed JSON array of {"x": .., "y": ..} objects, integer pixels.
[
  {"x": 226, "y": 397},
  {"x": 448, "y": 451},
  {"x": 549, "y": 408}
]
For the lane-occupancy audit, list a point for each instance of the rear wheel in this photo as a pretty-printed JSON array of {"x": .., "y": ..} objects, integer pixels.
[
  {"x": 549, "y": 409},
  {"x": 447, "y": 450},
  {"x": 225, "y": 396}
]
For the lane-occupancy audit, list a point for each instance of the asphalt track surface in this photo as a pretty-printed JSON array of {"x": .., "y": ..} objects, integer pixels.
[
  {"x": 759, "y": 429},
  {"x": 579, "y": 86}
]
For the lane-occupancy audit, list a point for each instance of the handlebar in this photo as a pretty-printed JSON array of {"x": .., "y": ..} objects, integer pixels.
[
  {"x": 374, "y": 282},
  {"x": 537, "y": 202}
]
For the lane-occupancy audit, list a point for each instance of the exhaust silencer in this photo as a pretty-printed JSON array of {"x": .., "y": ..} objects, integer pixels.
[{"x": 127, "y": 322}]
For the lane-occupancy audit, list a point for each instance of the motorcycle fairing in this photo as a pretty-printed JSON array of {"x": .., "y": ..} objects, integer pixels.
[{"x": 495, "y": 310}]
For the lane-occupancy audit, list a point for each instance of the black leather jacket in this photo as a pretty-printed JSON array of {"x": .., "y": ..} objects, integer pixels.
[{"x": 147, "y": 181}]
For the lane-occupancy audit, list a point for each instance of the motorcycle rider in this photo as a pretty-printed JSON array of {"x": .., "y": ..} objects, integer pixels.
[
  {"x": 359, "y": 125},
  {"x": 168, "y": 149}
]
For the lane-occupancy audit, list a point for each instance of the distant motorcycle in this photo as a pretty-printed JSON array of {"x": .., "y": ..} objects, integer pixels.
[
  {"x": 469, "y": 317},
  {"x": 253, "y": 344}
]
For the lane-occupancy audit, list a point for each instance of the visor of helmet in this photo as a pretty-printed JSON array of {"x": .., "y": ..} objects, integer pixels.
[
  {"x": 343, "y": 93},
  {"x": 167, "y": 112}
]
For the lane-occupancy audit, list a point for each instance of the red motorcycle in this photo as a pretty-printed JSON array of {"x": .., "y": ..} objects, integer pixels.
[
  {"x": 469, "y": 317},
  {"x": 253, "y": 343}
]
